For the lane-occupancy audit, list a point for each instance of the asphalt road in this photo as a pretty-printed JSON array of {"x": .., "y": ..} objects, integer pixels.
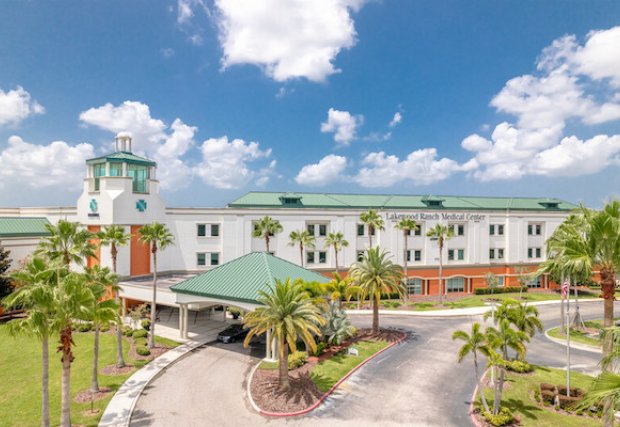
[{"x": 417, "y": 383}]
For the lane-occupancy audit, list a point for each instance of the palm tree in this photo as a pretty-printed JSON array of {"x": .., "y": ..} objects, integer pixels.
[
  {"x": 374, "y": 222},
  {"x": 158, "y": 237},
  {"x": 103, "y": 311},
  {"x": 474, "y": 342},
  {"x": 441, "y": 233},
  {"x": 406, "y": 225},
  {"x": 304, "y": 239},
  {"x": 496, "y": 360},
  {"x": 266, "y": 227},
  {"x": 66, "y": 242},
  {"x": 35, "y": 294},
  {"x": 605, "y": 388},
  {"x": 377, "y": 275},
  {"x": 504, "y": 337},
  {"x": 342, "y": 289},
  {"x": 525, "y": 318},
  {"x": 73, "y": 301},
  {"x": 290, "y": 315},
  {"x": 337, "y": 241},
  {"x": 115, "y": 236},
  {"x": 337, "y": 326}
]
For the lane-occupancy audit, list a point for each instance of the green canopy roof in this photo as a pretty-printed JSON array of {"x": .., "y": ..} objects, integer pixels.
[
  {"x": 242, "y": 278},
  {"x": 122, "y": 156},
  {"x": 23, "y": 227},
  {"x": 258, "y": 199}
]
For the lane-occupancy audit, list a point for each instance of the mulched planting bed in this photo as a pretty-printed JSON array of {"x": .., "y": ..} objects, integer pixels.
[
  {"x": 86, "y": 396},
  {"x": 304, "y": 392},
  {"x": 113, "y": 370}
]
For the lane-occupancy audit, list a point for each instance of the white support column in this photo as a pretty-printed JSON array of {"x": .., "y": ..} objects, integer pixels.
[
  {"x": 185, "y": 319},
  {"x": 224, "y": 311},
  {"x": 267, "y": 346},
  {"x": 181, "y": 323}
]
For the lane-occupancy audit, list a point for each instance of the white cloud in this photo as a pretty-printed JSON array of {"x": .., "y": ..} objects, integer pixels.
[
  {"x": 563, "y": 92},
  {"x": 420, "y": 167},
  {"x": 328, "y": 170},
  {"x": 287, "y": 38},
  {"x": 167, "y": 52},
  {"x": 225, "y": 164},
  {"x": 398, "y": 117},
  {"x": 17, "y": 105},
  {"x": 151, "y": 138},
  {"x": 343, "y": 124},
  {"x": 23, "y": 164}
]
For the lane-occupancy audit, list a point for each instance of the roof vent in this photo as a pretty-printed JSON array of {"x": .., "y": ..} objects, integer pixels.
[
  {"x": 550, "y": 204},
  {"x": 290, "y": 200},
  {"x": 123, "y": 142},
  {"x": 433, "y": 202}
]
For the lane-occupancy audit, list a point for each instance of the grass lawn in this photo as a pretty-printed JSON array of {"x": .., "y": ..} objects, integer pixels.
[
  {"x": 579, "y": 336},
  {"x": 20, "y": 377},
  {"x": 519, "y": 398},
  {"x": 329, "y": 372}
]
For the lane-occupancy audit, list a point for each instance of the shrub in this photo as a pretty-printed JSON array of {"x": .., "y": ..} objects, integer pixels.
[
  {"x": 140, "y": 342},
  {"x": 143, "y": 351},
  {"x": 391, "y": 304},
  {"x": 85, "y": 327},
  {"x": 547, "y": 386},
  {"x": 146, "y": 324},
  {"x": 139, "y": 333},
  {"x": 504, "y": 290},
  {"x": 574, "y": 391},
  {"x": 127, "y": 331},
  {"x": 547, "y": 396},
  {"x": 297, "y": 359},
  {"x": 520, "y": 366},
  {"x": 104, "y": 328},
  {"x": 568, "y": 402},
  {"x": 504, "y": 417},
  {"x": 424, "y": 304},
  {"x": 319, "y": 349}
]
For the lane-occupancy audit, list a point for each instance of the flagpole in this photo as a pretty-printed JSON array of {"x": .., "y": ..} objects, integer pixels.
[{"x": 568, "y": 337}]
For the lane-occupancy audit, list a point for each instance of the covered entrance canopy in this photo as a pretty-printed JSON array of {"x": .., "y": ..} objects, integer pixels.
[{"x": 238, "y": 282}]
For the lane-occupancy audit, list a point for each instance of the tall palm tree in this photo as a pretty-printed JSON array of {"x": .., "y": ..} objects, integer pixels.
[
  {"x": 406, "y": 225},
  {"x": 266, "y": 227},
  {"x": 290, "y": 315},
  {"x": 342, "y": 289},
  {"x": 474, "y": 342},
  {"x": 158, "y": 237},
  {"x": 115, "y": 236},
  {"x": 103, "y": 310},
  {"x": 67, "y": 243},
  {"x": 504, "y": 337},
  {"x": 35, "y": 294},
  {"x": 377, "y": 275},
  {"x": 73, "y": 301},
  {"x": 304, "y": 239},
  {"x": 525, "y": 318},
  {"x": 337, "y": 241},
  {"x": 374, "y": 222},
  {"x": 441, "y": 233}
]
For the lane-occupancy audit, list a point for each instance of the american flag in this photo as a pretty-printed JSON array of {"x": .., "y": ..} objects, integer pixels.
[{"x": 565, "y": 286}]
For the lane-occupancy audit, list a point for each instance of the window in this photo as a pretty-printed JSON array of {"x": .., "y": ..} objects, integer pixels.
[
  {"x": 116, "y": 169},
  {"x": 316, "y": 257},
  {"x": 98, "y": 171},
  {"x": 416, "y": 232},
  {"x": 496, "y": 229},
  {"x": 497, "y": 253},
  {"x": 458, "y": 229},
  {"x": 313, "y": 228},
  {"x": 492, "y": 229},
  {"x": 500, "y": 229},
  {"x": 360, "y": 230},
  {"x": 201, "y": 259},
  {"x": 461, "y": 254},
  {"x": 215, "y": 230},
  {"x": 215, "y": 258},
  {"x": 455, "y": 284},
  {"x": 536, "y": 282},
  {"x": 500, "y": 253},
  {"x": 140, "y": 175},
  {"x": 202, "y": 230},
  {"x": 360, "y": 255},
  {"x": 414, "y": 286},
  {"x": 415, "y": 255},
  {"x": 310, "y": 228},
  {"x": 500, "y": 281},
  {"x": 450, "y": 254},
  {"x": 534, "y": 229},
  {"x": 456, "y": 254},
  {"x": 534, "y": 253},
  {"x": 491, "y": 253},
  {"x": 322, "y": 229}
]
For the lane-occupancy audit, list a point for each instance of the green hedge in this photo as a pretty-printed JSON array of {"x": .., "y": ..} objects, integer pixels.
[
  {"x": 297, "y": 359},
  {"x": 143, "y": 351},
  {"x": 504, "y": 417},
  {"x": 504, "y": 290},
  {"x": 139, "y": 333}
]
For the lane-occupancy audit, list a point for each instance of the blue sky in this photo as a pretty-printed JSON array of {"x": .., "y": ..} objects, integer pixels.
[{"x": 511, "y": 98}]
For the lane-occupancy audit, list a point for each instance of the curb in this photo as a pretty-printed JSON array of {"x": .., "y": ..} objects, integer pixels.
[
  {"x": 578, "y": 346},
  {"x": 474, "y": 420},
  {"x": 455, "y": 312},
  {"x": 325, "y": 395},
  {"x": 120, "y": 408}
]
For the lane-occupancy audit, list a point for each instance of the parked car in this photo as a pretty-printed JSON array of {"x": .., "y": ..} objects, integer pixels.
[{"x": 232, "y": 333}]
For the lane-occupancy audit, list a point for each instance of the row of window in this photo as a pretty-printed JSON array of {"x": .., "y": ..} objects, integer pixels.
[
  {"x": 214, "y": 230},
  {"x": 534, "y": 253},
  {"x": 457, "y": 284},
  {"x": 213, "y": 257}
]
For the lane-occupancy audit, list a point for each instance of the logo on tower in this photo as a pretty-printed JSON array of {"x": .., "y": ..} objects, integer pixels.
[
  {"x": 141, "y": 205},
  {"x": 94, "y": 209}
]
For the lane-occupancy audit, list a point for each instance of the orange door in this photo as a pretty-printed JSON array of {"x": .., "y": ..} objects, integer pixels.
[
  {"x": 96, "y": 260},
  {"x": 140, "y": 256}
]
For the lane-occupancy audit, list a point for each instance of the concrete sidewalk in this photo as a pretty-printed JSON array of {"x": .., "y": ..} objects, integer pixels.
[{"x": 456, "y": 312}]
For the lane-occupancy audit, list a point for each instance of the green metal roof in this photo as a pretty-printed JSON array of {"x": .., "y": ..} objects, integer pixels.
[
  {"x": 242, "y": 278},
  {"x": 122, "y": 156},
  {"x": 23, "y": 227},
  {"x": 257, "y": 199}
]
